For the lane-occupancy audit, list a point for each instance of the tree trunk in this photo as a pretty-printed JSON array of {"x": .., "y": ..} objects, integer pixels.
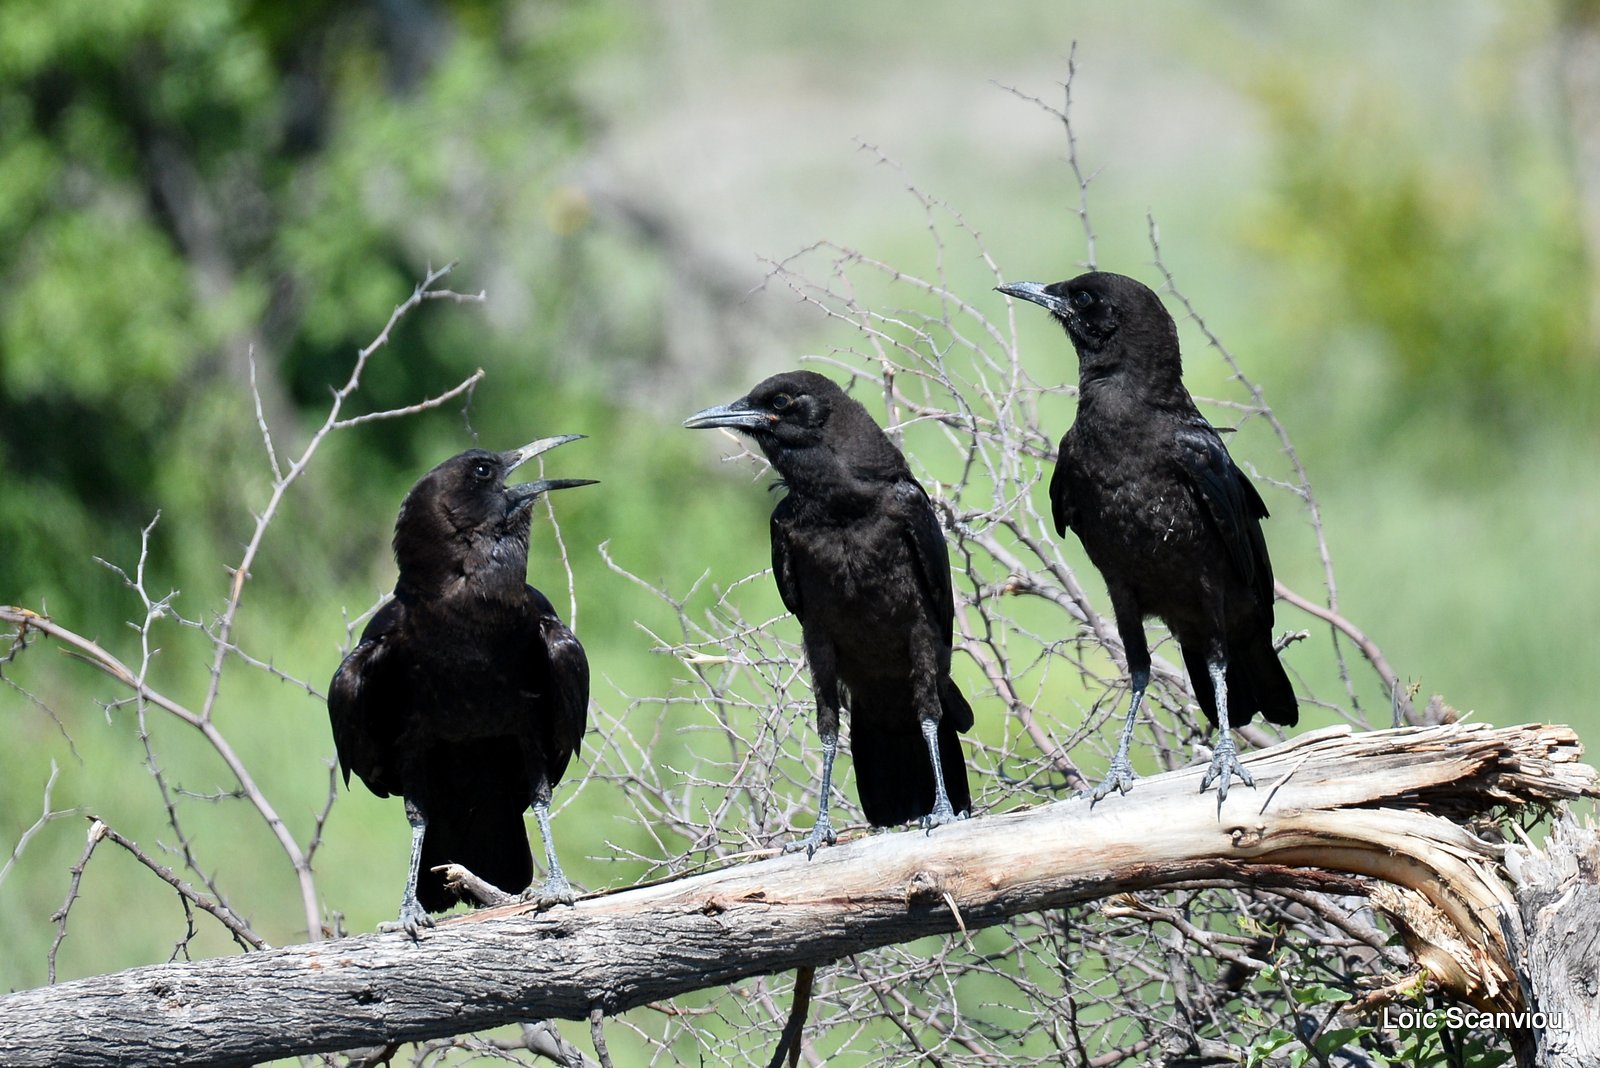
[
  {"x": 1330, "y": 805},
  {"x": 1556, "y": 929}
]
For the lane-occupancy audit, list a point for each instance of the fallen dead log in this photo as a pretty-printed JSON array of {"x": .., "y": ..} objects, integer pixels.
[
  {"x": 1556, "y": 934},
  {"x": 1385, "y": 806}
]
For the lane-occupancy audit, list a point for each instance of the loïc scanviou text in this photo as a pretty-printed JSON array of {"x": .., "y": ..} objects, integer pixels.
[{"x": 1459, "y": 1017}]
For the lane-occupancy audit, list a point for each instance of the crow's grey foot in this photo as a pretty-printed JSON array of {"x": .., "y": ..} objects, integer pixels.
[
  {"x": 1225, "y": 766},
  {"x": 413, "y": 918},
  {"x": 942, "y": 814},
  {"x": 1119, "y": 777},
  {"x": 821, "y": 835},
  {"x": 555, "y": 891}
]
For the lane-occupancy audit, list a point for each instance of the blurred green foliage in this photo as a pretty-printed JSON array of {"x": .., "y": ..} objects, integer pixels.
[
  {"x": 189, "y": 188},
  {"x": 1461, "y": 271}
]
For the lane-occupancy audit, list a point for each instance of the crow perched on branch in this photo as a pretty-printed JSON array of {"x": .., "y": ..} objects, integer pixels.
[
  {"x": 860, "y": 559},
  {"x": 467, "y": 695},
  {"x": 1162, "y": 510}
]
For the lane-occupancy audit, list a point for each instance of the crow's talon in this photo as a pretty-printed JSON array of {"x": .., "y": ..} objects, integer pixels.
[
  {"x": 1224, "y": 767},
  {"x": 821, "y": 835},
  {"x": 555, "y": 891},
  {"x": 413, "y": 918},
  {"x": 942, "y": 814},
  {"x": 1120, "y": 778}
]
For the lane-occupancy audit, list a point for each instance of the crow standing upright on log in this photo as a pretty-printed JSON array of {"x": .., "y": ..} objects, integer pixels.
[
  {"x": 1162, "y": 510},
  {"x": 860, "y": 559},
  {"x": 467, "y": 694}
]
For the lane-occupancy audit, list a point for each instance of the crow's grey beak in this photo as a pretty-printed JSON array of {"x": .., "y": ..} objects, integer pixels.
[
  {"x": 525, "y": 493},
  {"x": 515, "y": 458},
  {"x": 1034, "y": 291},
  {"x": 738, "y": 416}
]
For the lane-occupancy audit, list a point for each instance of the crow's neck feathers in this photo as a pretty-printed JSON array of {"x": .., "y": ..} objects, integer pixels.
[
  {"x": 1142, "y": 360},
  {"x": 445, "y": 552},
  {"x": 849, "y": 457}
]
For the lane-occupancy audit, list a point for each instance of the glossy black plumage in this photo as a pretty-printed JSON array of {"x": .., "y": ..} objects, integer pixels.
[
  {"x": 1163, "y": 512},
  {"x": 467, "y": 695},
  {"x": 860, "y": 559}
]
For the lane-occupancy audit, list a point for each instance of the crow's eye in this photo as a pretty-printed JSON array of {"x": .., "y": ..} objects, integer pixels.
[
  {"x": 482, "y": 470},
  {"x": 781, "y": 401},
  {"x": 1082, "y": 299}
]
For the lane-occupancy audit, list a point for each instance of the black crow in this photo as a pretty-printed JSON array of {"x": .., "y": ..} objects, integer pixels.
[
  {"x": 467, "y": 695},
  {"x": 1162, "y": 510},
  {"x": 860, "y": 559}
]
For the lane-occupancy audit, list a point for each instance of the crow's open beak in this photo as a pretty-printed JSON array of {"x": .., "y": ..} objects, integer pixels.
[
  {"x": 525, "y": 493},
  {"x": 737, "y": 416},
  {"x": 517, "y": 457}
]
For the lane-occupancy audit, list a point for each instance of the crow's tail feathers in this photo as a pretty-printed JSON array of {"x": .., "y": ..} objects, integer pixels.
[
  {"x": 1257, "y": 682},
  {"x": 894, "y": 775},
  {"x": 490, "y": 842},
  {"x": 475, "y": 820}
]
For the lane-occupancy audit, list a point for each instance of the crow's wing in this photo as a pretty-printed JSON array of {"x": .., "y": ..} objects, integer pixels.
[
  {"x": 1230, "y": 501},
  {"x": 782, "y": 562},
  {"x": 930, "y": 559},
  {"x": 929, "y": 556},
  {"x": 364, "y": 703},
  {"x": 1060, "y": 496},
  {"x": 563, "y": 703}
]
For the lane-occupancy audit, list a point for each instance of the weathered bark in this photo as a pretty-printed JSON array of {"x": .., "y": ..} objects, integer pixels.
[
  {"x": 1556, "y": 929},
  {"x": 1377, "y": 805}
]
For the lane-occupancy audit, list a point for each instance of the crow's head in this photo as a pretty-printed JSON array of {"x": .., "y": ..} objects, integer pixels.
[
  {"x": 818, "y": 437},
  {"x": 1105, "y": 315},
  {"x": 462, "y": 517},
  {"x": 790, "y": 410}
]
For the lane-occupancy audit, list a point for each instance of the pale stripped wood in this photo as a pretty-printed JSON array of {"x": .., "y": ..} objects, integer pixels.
[{"x": 1380, "y": 805}]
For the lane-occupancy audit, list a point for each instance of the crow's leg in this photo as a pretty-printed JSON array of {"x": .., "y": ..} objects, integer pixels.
[
  {"x": 822, "y": 833},
  {"x": 929, "y": 664},
  {"x": 825, "y": 685},
  {"x": 413, "y": 917},
  {"x": 1225, "y": 758},
  {"x": 1120, "y": 776},
  {"x": 556, "y": 890},
  {"x": 1130, "y": 628},
  {"x": 942, "y": 812}
]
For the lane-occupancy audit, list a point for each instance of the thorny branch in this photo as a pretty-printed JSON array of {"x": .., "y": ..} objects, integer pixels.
[
  {"x": 956, "y": 390},
  {"x": 236, "y": 925},
  {"x": 1064, "y": 115},
  {"x": 97, "y": 834},
  {"x": 1302, "y": 489},
  {"x": 46, "y": 815},
  {"x": 135, "y": 677}
]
